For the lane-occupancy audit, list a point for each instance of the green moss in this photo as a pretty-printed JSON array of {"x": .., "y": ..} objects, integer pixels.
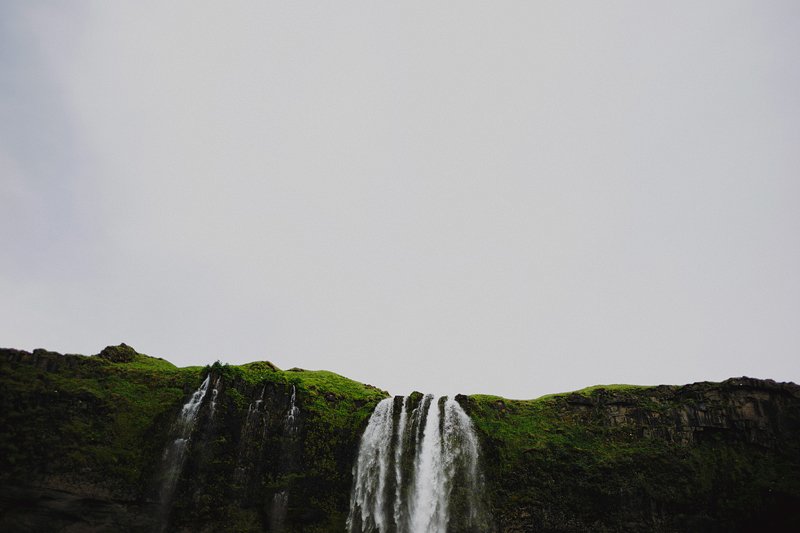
[
  {"x": 105, "y": 419},
  {"x": 566, "y": 459},
  {"x": 559, "y": 459},
  {"x": 595, "y": 389},
  {"x": 322, "y": 380},
  {"x": 236, "y": 397}
]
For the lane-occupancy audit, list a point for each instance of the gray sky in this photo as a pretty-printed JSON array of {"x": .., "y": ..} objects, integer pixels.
[{"x": 514, "y": 198}]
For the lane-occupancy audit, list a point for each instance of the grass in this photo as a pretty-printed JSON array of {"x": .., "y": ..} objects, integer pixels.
[
  {"x": 518, "y": 427},
  {"x": 589, "y": 391},
  {"x": 104, "y": 419}
]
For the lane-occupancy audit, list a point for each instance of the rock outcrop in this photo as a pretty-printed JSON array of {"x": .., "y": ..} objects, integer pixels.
[{"x": 701, "y": 457}]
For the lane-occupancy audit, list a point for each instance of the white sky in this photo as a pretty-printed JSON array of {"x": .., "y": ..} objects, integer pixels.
[{"x": 505, "y": 197}]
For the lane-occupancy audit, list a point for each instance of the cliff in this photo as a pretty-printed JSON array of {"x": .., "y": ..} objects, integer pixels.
[
  {"x": 701, "y": 457},
  {"x": 84, "y": 440},
  {"x": 85, "y": 445}
]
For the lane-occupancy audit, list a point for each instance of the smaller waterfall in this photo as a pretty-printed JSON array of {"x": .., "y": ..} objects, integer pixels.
[
  {"x": 280, "y": 505},
  {"x": 249, "y": 442},
  {"x": 175, "y": 452},
  {"x": 463, "y": 443},
  {"x": 254, "y": 418},
  {"x": 214, "y": 392},
  {"x": 292, "y": 413},
  {"x": 291, "y": 427},
  {"x": 418, "y": 472},
  {"x": 367, "y": 504}
]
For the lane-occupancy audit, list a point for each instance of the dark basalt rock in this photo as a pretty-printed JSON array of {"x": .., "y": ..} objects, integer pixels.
[{"x": 701, "y": 457}]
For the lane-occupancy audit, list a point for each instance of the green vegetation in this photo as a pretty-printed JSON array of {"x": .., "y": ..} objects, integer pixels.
[
  {"x": 702, "y": 457},
  {"x": 103, "y": 421},
  {"x": 525, "y": 425},
  {"x": 622, "y": 457},
  {"x": 94, "y": 417},
  {"x": 588, "y": 391}
]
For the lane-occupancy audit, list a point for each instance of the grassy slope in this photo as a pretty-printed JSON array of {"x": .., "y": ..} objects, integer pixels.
[
  {"x": 335, "y": 410},
  {"x": 103, "y": 421},
  {"x": 525, "y": 425},
  {"x": 92, "y": 417},
  {"x": 95, "y": 417},
  {"x": 558, "y": 466}
]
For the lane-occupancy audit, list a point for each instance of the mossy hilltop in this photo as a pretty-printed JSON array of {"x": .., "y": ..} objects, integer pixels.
[{"x": 82, "y": 437}]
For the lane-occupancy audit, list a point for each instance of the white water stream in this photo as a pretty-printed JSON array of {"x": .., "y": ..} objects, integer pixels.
[
  {"x": 175, "y": 452},
  {"x": 408, "y": 465}
]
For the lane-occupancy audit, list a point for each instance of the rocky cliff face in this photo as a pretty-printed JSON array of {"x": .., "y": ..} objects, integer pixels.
[
  {"x": 750, "y": 410},
  {"x": 86, "y": 443},
  {"x": 85, "y": 446},
  {"x": 702, "y": 457}
]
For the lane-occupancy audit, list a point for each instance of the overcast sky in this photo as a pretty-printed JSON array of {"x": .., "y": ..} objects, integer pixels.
[{"x": 514, "y": 198}]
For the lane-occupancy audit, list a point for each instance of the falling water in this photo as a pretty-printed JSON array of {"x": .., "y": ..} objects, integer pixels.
[
  {"x": 398, "y": 462},
  {"x": 175, "y": 453},
  {"x": 249, "y": 443},
  {"x": 367, "y": 506},
  {"x": 418, "y": 472},
  {"x": 280, "y": 500},
  {"x": 429, "y": 506},
  {"x": 254, "y": 418},
  {"x": 291, "y": 414},
  {"x": 214, "y": 392},
  {"x": 280, "y": 504}
]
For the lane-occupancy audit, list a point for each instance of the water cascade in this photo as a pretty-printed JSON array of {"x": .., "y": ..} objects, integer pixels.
[
  {"x": 280, "y": 506},
  {"x": 280, "y": 500},
  {"x": 214, "y": 393},
  {"x": 291, "y": 414},
  {"x": 250, "y": 441},
  {"x": 175, "y": 452},
  {"x": 418, "y": 471},
  {"x": 398, "y": 462}
]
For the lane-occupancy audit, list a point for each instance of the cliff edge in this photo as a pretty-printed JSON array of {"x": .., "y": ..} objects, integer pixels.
[{"x": 121, "y": 441}]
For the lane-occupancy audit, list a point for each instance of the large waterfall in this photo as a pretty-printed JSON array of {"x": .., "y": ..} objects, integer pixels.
[{"x": 417, "y": 470}]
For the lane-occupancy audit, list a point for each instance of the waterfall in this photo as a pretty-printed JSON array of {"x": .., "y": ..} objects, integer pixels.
[
  {"x": 280, "y": 504},
  {"x": 369, "y": 472},
  {"x": 214, "y": 392},
  {"x": 175, "y": 452},
  {"x": 418, "y": 472},
  {"x": 291, "y": 414},
  {"x": 280, "y": 500},
  {"x": 249, "y": 443},
  {"x": 398, "y": 462},
  {"x": 255, "y": 417},
  {"x": 429, "y": 503}
]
